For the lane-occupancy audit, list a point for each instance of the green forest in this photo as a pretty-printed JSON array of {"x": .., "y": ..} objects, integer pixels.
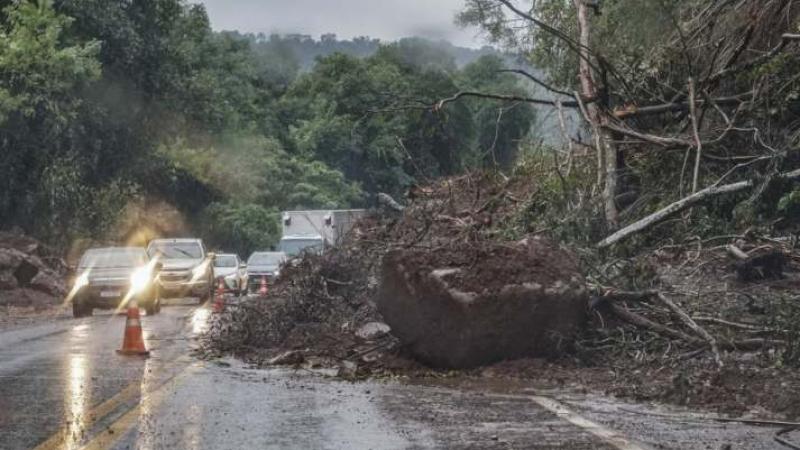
[{"x": 124, "y": 120}]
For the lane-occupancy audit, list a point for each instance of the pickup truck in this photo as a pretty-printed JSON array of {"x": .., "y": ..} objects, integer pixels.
[{"x": 187, "y": 268}]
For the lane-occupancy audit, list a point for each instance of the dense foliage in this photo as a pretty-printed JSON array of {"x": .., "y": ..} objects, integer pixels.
[
  {"x": 105, "y": 105},
  {"x": 652, "y": 62}
]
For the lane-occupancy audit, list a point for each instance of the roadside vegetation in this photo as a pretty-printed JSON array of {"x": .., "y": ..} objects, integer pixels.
[{"x": 119, "y": 117}]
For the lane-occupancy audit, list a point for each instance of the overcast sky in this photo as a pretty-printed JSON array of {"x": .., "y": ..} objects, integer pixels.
[{"x": 383, "y": 19}]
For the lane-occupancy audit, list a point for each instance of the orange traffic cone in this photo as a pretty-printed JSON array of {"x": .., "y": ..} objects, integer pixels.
[
  {"x": 262, "y": 290},
  {"x": 219, "y": 297},
  {"x": 133, "y": 344}
]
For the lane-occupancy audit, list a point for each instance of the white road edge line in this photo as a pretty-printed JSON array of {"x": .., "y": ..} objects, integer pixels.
[{"x": 562, "y": 412}]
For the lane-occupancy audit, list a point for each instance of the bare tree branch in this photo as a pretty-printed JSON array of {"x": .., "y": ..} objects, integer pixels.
[
  {"x": 537, "y": 81},
  {"x": 698, "y": 143},
  {"x": 506, "y": 98},
  {"x": 786, "y": 39},
  {"x": 634, "y": 111},
  {"x": 683, "y": 204}
]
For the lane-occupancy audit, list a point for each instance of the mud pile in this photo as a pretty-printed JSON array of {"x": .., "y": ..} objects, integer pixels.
[
  {"x": 453, "y": 291},
  {"x": 30, "y": 274},
  {"x": 319, "y": 312}
]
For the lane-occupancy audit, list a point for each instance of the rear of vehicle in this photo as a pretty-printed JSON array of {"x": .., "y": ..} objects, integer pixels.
[
  {"x": 263, "y": 267},
  {"x": 187, "y": 270},
  {"x": 109, "y": 278},
  {"x": 294, "y": 246},
  {"x": 229, "y": 269}
]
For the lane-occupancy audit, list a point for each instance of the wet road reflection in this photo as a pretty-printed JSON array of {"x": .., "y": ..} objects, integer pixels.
[
  {"x": 62, "y": 383},
  {"x": 200, "y": 322},
  {"x": 77, "y": 400}
]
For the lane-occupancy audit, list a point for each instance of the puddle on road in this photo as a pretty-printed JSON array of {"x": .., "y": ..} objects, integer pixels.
[{"x": 200, "y": 320}]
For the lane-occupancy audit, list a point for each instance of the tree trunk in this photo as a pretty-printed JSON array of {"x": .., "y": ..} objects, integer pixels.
[{"x": 606, "y": 151}]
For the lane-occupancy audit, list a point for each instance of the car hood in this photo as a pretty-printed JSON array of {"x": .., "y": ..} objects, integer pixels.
[
  {"x": 180, "y": 264},
  {"x": 101, "y": 274},
  {"x": 261, "y": 269},
  {"x": 224, "y": 271}
]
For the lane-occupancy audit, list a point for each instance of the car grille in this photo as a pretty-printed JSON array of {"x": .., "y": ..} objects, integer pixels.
[
  {"x": 175, "y": 277},
  {"x": 254, "y": 281},
  {"x": 109, "y": 282}
]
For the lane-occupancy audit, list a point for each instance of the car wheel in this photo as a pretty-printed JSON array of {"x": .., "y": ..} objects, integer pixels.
[
  {"x": 79, "y": 310},
  {"x": 76, "y": 311},
  {"x": 151, "y": 308},
  {"x": 157, "y": 300}
]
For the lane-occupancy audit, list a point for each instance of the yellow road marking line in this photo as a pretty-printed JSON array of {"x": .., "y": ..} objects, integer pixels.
[
  {"x": 107, "y": 438},
  {"x": 60, "y": 437},
  {"x": 561, "y": 411}
]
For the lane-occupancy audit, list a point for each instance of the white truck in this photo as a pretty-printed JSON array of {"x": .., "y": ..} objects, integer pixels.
[{"x": 316, "y": 230}]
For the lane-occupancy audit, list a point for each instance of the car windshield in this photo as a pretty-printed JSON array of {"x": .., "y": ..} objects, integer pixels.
[
  {"x": 225, "y": 261},
  {"x": 176, "y": 250},
  {"x": 294, "y": 247},
  {"x": 113, "y": 258},
  {"x": 266, "y": 259}
]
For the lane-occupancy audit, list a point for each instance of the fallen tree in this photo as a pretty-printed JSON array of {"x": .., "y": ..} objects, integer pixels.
[{"x": 683, "y": 204}]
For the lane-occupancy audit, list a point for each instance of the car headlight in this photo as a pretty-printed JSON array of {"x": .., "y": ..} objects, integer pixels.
[
  {"x": 140, "y": 279},
  {"x": 82, "y": 280},
  {"x": 199, "y": 271}
]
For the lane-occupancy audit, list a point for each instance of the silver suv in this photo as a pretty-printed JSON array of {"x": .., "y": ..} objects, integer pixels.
[{"x": 187, "y": 268}]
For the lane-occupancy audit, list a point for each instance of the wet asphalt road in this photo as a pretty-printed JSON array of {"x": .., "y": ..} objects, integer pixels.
[{"x": 63, "y": 386}]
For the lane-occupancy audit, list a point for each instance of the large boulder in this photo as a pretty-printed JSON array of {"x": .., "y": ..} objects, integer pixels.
[
  {"x": 22, "y": 243},
  {"x": 468, "y": 305},
  {"x": 7, "y": 280},
  {"x": 22, "y": 270},
  {"x": 48, "y": 283},
  {"x": 10, "y": 258}
]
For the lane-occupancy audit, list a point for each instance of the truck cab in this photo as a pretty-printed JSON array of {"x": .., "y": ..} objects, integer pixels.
[
  {"x": 295, "y": 245},
  {"x": 315, "y": 230}
]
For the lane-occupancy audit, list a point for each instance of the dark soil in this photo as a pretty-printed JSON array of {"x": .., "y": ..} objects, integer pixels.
[{"x": 489, "y": 266}]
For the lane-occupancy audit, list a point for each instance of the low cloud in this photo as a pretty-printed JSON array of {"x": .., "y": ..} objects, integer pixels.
[{"x": 383, "y": 19}]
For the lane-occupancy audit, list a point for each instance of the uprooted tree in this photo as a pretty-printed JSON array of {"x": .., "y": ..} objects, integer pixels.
[{"x": 680, "y": 97}]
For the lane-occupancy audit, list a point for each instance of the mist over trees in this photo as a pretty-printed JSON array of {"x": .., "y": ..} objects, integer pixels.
[{"x": 110, "y": 108}]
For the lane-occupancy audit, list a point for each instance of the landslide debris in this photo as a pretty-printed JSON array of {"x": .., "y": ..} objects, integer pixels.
[
  {"x": 30, "y": 273},
  {"x": 319, "y": 310},
  {"x": 526, "y": 298}
]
